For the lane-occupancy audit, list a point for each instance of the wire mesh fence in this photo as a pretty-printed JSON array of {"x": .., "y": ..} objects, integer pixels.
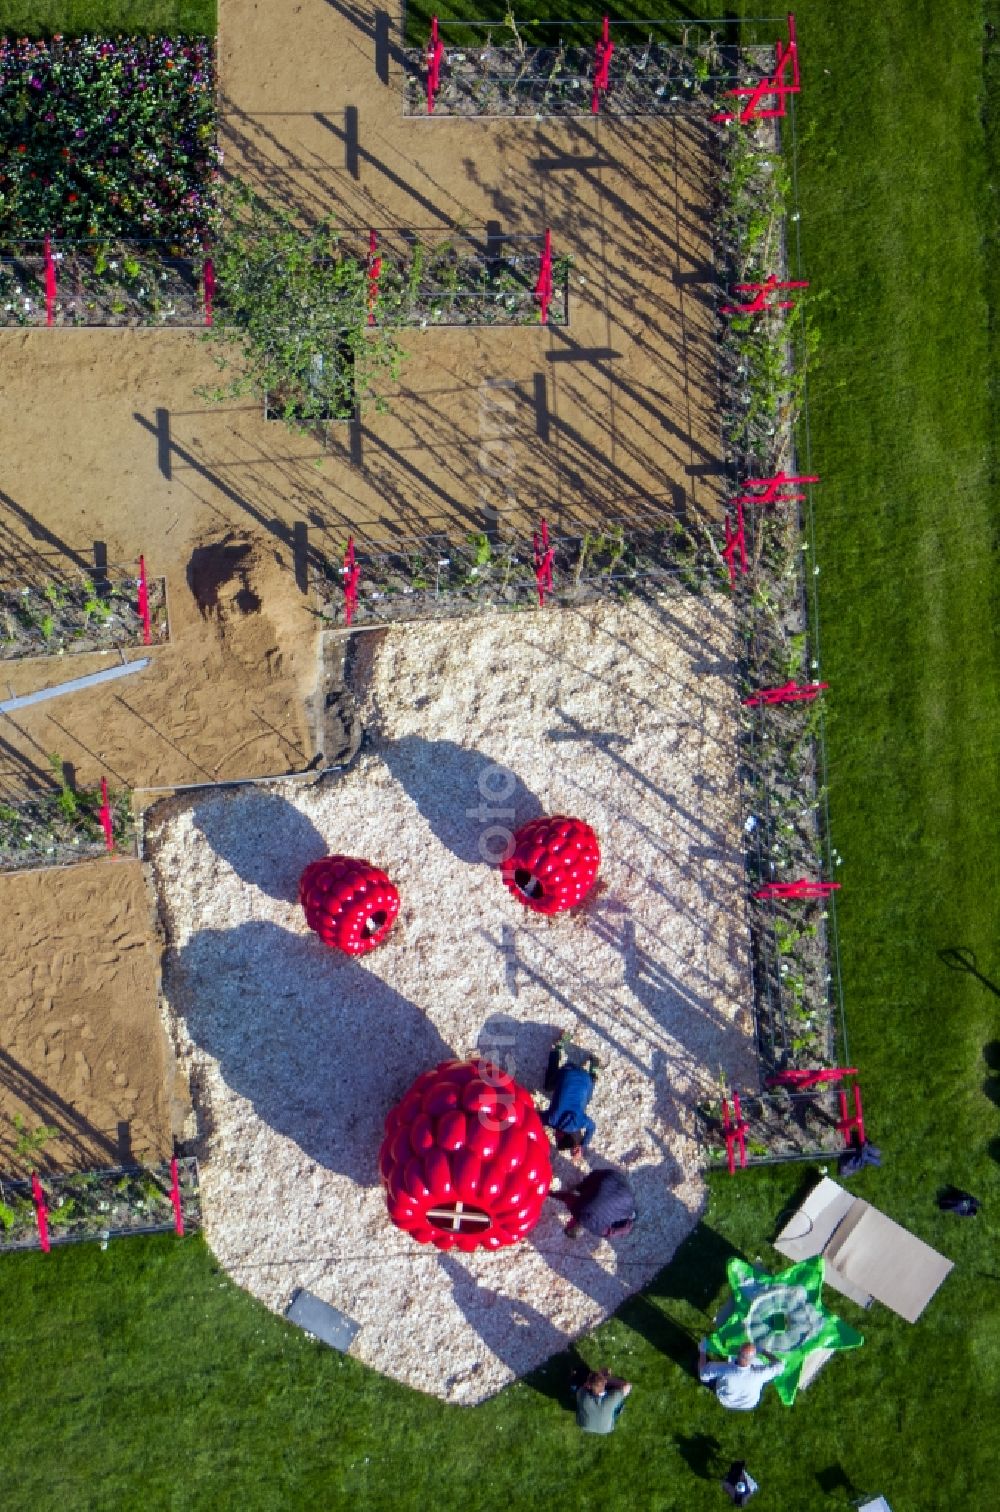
[{"x": 514, "y": 67}]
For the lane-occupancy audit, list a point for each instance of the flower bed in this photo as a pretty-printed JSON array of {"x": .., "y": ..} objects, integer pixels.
[
  {"x": 78, "y": 615},
  {"x": 61, "y": 826},
  {"x": 780, "y": 1126},
  {"x": 798, "y": 1012},
  {"x": 107, "y": 137},
  {"x": 99, "y": 1205},
  {"x": 103, "y": 283},
  {"x": 448, "y": 579},
  {"x": 492, "y": 80}
]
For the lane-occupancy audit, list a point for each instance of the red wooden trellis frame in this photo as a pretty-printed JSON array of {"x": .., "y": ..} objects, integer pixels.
[
  {"x": 351, "y": 572},
  {"x": 770, "y": 488},
  {"x": 544, "y": 557},
  {"x": 208, "y": 280},
  {"x": 41, "y": 1212},
  {"x": 603, "y": 52},
  {"x": 374, "y": 274},
  {"x": 175, "y": 1197},
  {"x": 789, "y": 692},
  {"x": 50, "y": 282},
  {"x": 735, "y": 1134},
  {"x": 143, "y": 603},
  {"x": 801, "y": 889},
  {"x": 762, "y": 293},
  {"x": 786, "y": 53},
  {"x": 543, "y": 288},
  {"x": 435, "y": 52},
  {"x": 105, "y": 816},
  {"x": 804, "y": 1081},
  {"x": 736, "y": 544}
]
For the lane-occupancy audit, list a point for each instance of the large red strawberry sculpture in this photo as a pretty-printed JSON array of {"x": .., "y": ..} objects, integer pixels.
[
  {"x": 349, "y": 903},
  {"x": 553, "y": 864},
  {"x": 465, "y": 1160}
]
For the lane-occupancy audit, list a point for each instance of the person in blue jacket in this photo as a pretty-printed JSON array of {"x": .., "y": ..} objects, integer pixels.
[{"x": 570, "y": 1089}]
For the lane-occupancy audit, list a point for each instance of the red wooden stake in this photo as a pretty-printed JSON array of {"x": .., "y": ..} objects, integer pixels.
[
  {"x": 104, "y": 815},
  {"x": 208, "y": 277},
  {"x": 175, "y": 1197},
  {"x": 50, "y": 283},
  {"x": 143, "y": 603},
  {"x": 771, "y": 489},
  {"x": 790, "y": 692},
  {"x": 734, "y": 1134},
  {"x": 41, "y": 1212},
  {"x": 435, "y": 52},
  {"x": 803, "y": 1081},
  {"x": 543, "y": 288},
  {"x": 785, "y": 54},
  {"x": 852, "y": 1124},
  {"x": 351, "y": 573},
  {"x": 374, "y": 274},
  {"x": 760, "y": 301},
  {"x": 735, "y": 542},
  {"x": 603, "y": 52},
  {"x": 544, "y": 557},
  {"x": 800, "y": 889}
]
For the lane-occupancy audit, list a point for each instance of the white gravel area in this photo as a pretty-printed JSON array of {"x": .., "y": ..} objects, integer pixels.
[{"x": 623, "y": 716}]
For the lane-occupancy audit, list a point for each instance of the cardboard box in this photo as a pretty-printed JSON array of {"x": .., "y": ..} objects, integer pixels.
[{"x": 867, "y": 1255}]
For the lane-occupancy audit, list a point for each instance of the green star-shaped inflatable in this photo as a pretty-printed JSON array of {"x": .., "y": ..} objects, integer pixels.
[{"x": 783, "y": 1315}]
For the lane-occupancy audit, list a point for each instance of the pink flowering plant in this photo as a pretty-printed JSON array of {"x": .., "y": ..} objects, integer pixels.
[{"x": 108, "y": 137}]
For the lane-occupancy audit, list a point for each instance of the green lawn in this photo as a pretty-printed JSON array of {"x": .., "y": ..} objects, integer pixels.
[
  {"x": 140, "y": 1378},
  {"x": 77, "y": 18}
]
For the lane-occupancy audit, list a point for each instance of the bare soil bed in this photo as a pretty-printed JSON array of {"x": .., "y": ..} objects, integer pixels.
[
  {"x": 624, "y": 716},
  {"x": 82, "y": 1050}
]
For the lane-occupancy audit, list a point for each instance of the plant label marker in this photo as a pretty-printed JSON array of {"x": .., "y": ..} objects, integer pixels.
[
  {"x": 544, "y": 557},
  {"x": 435, "y": 52},
  {"x": 786, "y": 55},
  {"x": 603, "y": 52},
  {"x": 801, "y": 889},
  {"x": 50, "y": 282},
  {"x": 762, "y": 292},
  {"x": 771, "y": 489},
  {"x": 41, "y": 1212},
  {"x": 175, "y": 1197},
  {"x": 789, "y": 692},
  {"x": 735, "y": 542},
  {"x": 104, "y": 815},
  {"x": 374, "y": 274},
  {"x": 350, "y": 572},
  {"x": 208, "y": 280},
  {"x": 543, "y": 288}
]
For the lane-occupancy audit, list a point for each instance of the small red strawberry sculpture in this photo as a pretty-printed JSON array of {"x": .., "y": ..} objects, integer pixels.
[
  {"x": 349, "y": 903},
  {"x": 465, "y": 1160},
  {"x": 553, "y": 865}
]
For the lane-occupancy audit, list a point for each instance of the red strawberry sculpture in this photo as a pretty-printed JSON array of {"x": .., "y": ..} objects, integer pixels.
[
  {"x": 465, "y": 1160},
  {"x": 553, "y": 865},
  {"x": 349, "y": 903}
]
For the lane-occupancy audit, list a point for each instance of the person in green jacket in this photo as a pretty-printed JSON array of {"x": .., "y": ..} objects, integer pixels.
[{"x": 599, "y": 1401}]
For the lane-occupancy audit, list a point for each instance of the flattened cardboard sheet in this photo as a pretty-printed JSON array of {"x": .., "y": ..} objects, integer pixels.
[{"x": 867, "y": 1255}]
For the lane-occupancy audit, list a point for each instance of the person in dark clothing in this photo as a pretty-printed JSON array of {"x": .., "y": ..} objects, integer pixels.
[
  {"x": 603, "y": 1203},
  {"x": 570, "y": 1089}
]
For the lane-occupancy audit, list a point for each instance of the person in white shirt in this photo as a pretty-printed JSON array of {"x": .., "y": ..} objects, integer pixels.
[{"x": 738, "y": 1383}]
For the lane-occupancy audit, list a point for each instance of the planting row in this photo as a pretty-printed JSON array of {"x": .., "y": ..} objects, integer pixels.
[
  {"x": 79, "y": 614},
  {"x": 97, "y": 1204},
  {"x": 446, "y": 579},
  {"x": 62, "y": 824}
]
